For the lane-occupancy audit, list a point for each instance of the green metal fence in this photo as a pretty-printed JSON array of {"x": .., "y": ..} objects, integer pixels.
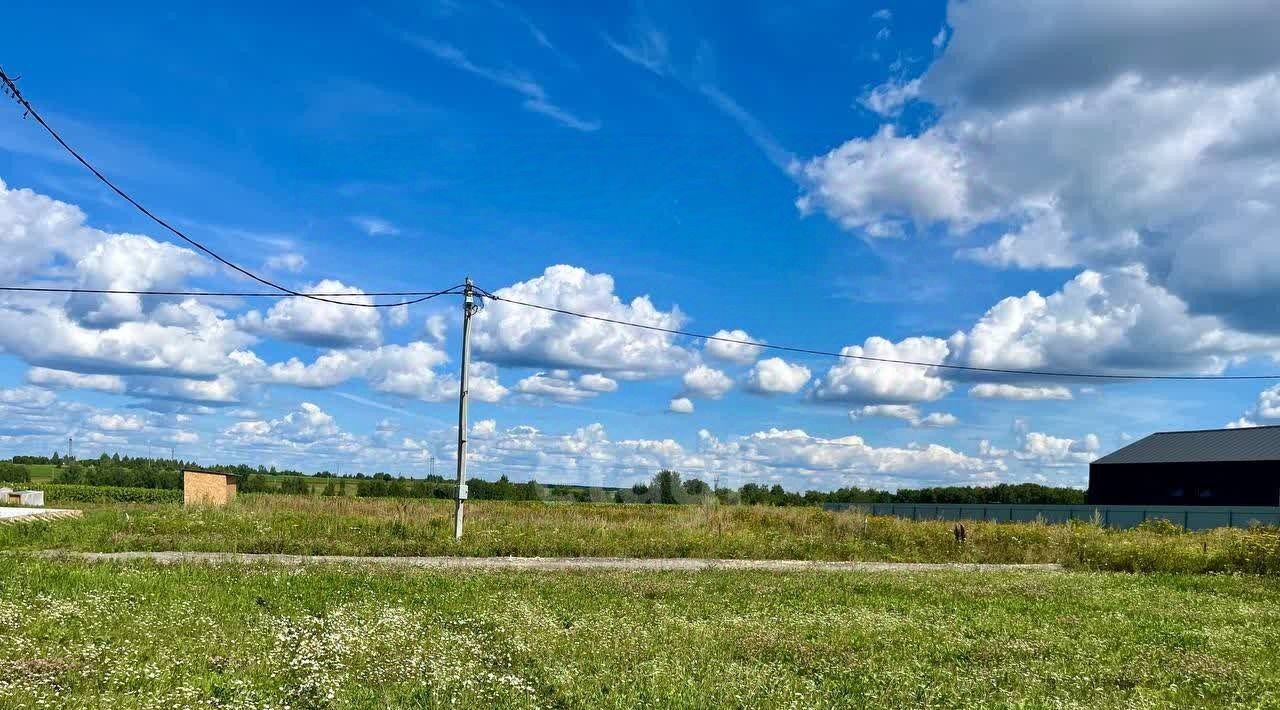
[{"x": 1117, "y": 516}]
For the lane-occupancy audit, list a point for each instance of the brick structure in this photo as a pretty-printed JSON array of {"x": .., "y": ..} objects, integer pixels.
[{"x": 207, "y": 487}]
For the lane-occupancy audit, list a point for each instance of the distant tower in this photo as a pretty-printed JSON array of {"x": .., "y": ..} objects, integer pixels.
[{"x": 70, "y": 449}]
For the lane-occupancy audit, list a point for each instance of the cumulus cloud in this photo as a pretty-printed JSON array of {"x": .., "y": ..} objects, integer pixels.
[
  {"x": 988, "y": 390},
  {"x": 680, "y": 405},
  {"x": 26, "y": 397},
  {"x": 128, "y": 262},
  {"x": 1051, "y": 451},
  {"x": 311, "y": 322},
  {"x": 509, "y": 334},
  {"x": 703, "y": 381},
  {"x": 307, "y": 427},
  {"x": 188, "y": 339},
  {"x": 435, "y": 327},
  {"x": 929, "y": 463},
  {"x": 561, "y": 386},
  {"x": 907, "y": 413},
  {"x": 1266, "y": 408},
  {"x": 1158, "y": 151},
  {"x": 741, "y": 351},
  {"x": 63, "y": 379},
  {"x": 777, "y": 376},
  {"x": 1114, "y": 322},
  {"x": 854, "y": 380},
  {"x": 116, "y": 422}
]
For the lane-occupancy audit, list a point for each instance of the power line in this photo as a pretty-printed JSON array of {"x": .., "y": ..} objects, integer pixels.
[
  {"x": 870, "y": 358},
  {"x": 420, "y": 295},
  {"x": 12, "y": 90}
]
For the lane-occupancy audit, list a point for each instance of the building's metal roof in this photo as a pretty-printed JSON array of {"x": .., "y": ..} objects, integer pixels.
[{"x": 1203, "y": 446}]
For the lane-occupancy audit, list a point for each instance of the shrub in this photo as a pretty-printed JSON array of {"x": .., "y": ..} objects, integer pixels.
[
  {"x": 58, "y": 493},
  {"x": 13, "y": 473}
]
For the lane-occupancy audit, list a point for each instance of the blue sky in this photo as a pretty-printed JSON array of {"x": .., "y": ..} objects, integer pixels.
[{"x": 913, "y": 181}]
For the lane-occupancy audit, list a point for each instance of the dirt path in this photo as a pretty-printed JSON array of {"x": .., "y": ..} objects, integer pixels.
[{"x": 547, "y": 563}]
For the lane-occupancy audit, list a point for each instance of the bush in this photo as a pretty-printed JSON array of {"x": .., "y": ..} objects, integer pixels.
[
  {"x": 14, "y": 473},
  {"x": 58, "y": 493}
]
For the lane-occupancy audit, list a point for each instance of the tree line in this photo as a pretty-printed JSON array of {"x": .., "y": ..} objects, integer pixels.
[{"x": 666, "y": 486}]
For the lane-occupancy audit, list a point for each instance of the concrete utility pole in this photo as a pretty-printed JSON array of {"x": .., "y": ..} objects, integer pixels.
[{"x": 468, "y": 308}]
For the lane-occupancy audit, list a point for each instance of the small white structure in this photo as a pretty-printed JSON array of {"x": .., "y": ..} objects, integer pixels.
[{"x": 34, "y": 499}]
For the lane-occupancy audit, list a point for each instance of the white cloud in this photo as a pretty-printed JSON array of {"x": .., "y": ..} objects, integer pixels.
[
  {"x": 560, "y": 386},
  {"x": 939, "y": 40},
  {"x": 646, "y": 47},
  {"x": 375, "y": 226},
  {"x": 435, "y": 327},
  {"x": 291, "y": 262},
  {"x": 306, "y": 427},
  {"x": 740, "y": 352},
  {"x": 506, "y": 333},
  {"x": 1054, "y": 451},
  {"x": 180, "y": 339},
  {"x": 884, "y": 14},
  {"x": 128, "y": 262},
  {"x": 1266, "y": 408},
  {"x": 989, "y": 390},
  {"x": 937, "y": 419},
  {"x": 777, "y": 376},
  {"x": 45, "y": 377},
  {"x": 27, "y": 397},
  {"x": 183, "y": 437},
  {"x": 117, "y": 422},
  {"x": 312, "y": 322},
  {"x": 880, "y": 465},
  {"x": 596, "y": 382},
  {"x": 703, "y": 381},
  {"x": 853, "y": 380},
  {"x": 681, "y": 405},
  {"x": 535, "y": 96},
  {"x": 889, "y": 98},
  {"x": 881, "y": 184},
  {"x": 35, "y": 228},
  {"x": 1269, "y": 403},
  {"x": 907, "y": 413},
  {"x": 1116, "y": 322},
  {"x": 1158, "y": 151}
]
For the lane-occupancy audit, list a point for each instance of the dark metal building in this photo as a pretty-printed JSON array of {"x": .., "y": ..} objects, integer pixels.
[{"x": 1206, "y": 467}]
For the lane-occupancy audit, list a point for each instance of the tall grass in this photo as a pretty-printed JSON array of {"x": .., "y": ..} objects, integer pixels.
[{"x": 355, "y": 526}]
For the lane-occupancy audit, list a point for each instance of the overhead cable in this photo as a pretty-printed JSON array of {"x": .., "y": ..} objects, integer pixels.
[
  {"x": 420, "y": 295},
  {"x": 11, "y": 88},
  {"x": 870, "y": 358}
]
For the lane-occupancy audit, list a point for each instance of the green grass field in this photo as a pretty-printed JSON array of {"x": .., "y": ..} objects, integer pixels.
[
  {"x": 139, "y": 635},
  {"x": 354, "y": 526}
]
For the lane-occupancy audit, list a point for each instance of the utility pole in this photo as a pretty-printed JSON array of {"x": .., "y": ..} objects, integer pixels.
[{"x": 468, "y": 308}]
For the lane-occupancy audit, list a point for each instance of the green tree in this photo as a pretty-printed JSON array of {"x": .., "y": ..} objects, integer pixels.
[{"x": 14, "y": 473}]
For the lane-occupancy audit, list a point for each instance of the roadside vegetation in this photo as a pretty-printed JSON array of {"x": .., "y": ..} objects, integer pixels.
[
  {"x": 381, "y": 527},
  {"x": 666, "y": 487},
  {"x": 145, "y": 636}
]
